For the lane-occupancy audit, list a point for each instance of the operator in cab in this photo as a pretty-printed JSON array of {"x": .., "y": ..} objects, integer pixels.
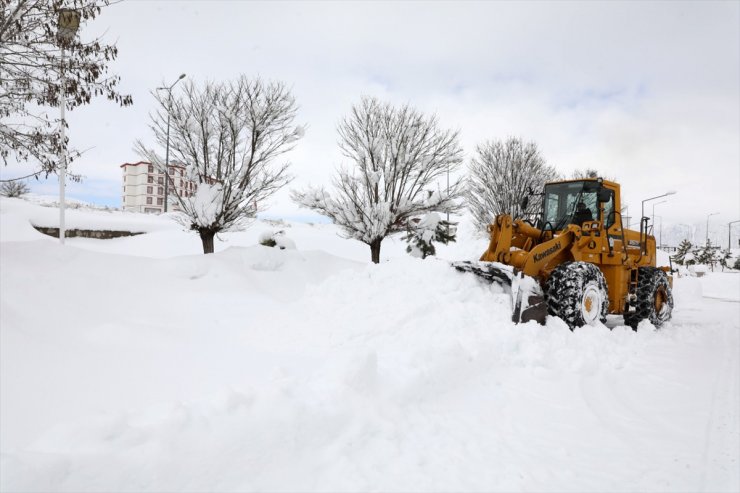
[{"x": 582, "y": 214}]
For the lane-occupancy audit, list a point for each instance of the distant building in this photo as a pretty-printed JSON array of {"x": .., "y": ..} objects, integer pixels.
[{"x": 143, "y": 187}]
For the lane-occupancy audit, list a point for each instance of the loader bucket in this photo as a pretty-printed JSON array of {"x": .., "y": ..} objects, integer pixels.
[{"x": 527, "y": 299}]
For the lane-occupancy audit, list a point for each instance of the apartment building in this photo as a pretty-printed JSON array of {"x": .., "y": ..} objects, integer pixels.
[{"x": 143, "y": 187}]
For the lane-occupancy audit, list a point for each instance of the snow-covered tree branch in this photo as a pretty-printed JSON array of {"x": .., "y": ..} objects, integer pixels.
[
  {"x": 228, "y": 135},
  {"x": 398, "y": 156},
  {"x": 501, "y": 175},
  {"x": 31, "y": 72}
]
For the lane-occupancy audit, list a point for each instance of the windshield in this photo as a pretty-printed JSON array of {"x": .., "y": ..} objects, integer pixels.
[{"x": 570, "y": 203}]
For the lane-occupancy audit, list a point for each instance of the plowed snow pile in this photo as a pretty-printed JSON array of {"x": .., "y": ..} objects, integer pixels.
[{"x": 258, "y": 369}]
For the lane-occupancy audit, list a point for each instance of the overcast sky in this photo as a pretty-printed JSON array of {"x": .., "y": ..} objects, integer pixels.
[{"x": 645, "y": 92}]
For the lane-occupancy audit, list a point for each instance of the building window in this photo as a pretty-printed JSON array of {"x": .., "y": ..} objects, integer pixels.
[
  {"x": 172, "y": 171},
  {"x": 150, "y": 179},
  {"x": 151, "y": 168},
  {"x": 160, "y": 180},
  {"x": 160, "y": 201},
  {"x": 148, "y": 189},
  {"x": 160, "y": 191},
  {"x": 149, "y": 200},
  {"x": 181, "y": 173}
]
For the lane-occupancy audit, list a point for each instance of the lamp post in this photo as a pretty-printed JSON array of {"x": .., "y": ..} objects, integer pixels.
[
  {"x": 671, "y": 192},
  {"x": 167, "y": 147},
  {"x": 708, "y": 215},
  {"x": 68, "y": 22},
  {"x": 657, "y": 203},
  {"x": 660, "y": 237},
  {"x": 729, "y": 233}
]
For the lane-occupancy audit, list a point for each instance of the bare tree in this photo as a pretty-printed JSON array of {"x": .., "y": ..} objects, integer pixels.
[
  {"x": 14, "y": 188},
  {"x": 584, "y": 173},
  {"x": 228, "y": 135},
  {"x": 501, "y": 175},
  {"x": 579, "y": 174},
  {"x": 398, "y": 155},
  {"x": 30, "y": 72}
]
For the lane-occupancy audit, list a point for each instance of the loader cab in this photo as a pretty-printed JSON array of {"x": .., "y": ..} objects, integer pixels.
[{"x": 564, "y": 203}]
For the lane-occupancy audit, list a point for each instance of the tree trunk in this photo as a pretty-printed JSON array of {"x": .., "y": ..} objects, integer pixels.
[
  {"x": 206, "y": 236},
  {"x": 375, "y": 250}
]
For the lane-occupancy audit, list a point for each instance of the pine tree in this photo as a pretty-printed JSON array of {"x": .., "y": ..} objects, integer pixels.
[
  {"x": 683, "y": 249},
  {"x": 724, "y": 258},
  {"x": 422, "y": 232},
  {"x": 706, "y": 255}
]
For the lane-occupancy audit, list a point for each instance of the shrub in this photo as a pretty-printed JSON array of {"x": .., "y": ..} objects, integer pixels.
[
  {"x": 276, "y": 239},
  {"x": 14, "y": 188}
]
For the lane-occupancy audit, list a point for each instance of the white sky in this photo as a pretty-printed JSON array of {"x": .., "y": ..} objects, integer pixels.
[{"x": 645, "y": 92}]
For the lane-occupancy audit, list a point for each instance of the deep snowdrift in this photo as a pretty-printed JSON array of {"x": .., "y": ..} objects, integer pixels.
[{"x": 265, "y": 369}]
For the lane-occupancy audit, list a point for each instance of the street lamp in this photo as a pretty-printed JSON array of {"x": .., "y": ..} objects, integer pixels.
[
  {"x": 708, "y": 215},
  {"x": 660, "y": 239},
  {"x": 657, "y": 203},
  {"x": 671, "y": 192},
  {"x": 68, "y": 22},
  {"x": 729, "y": 233},
  {"x": 167, "y": 147}
]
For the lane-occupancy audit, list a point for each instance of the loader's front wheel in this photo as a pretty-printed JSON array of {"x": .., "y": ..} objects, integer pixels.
[
  {"x": 577, "y": 293},
  {"x": 654, "y": 298}
]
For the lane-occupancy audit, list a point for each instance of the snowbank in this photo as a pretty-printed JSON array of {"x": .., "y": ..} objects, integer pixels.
[
  {"x": 14, "y": 210},
  {"x": 140, "y": 366}
]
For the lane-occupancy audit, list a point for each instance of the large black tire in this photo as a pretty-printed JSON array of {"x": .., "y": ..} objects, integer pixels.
[
  {"x": 654, "y": 298},
  {"x": 577, "y": 293}
]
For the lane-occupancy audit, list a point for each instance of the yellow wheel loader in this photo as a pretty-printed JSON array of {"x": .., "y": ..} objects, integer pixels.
[{"x": 576, "y": 261}]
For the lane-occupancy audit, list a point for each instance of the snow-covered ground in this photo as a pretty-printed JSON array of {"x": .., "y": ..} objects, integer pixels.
[{"x": 139, "y": 364}]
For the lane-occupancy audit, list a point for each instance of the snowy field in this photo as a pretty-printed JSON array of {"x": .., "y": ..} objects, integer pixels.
[{"x": 139, "y": 364}]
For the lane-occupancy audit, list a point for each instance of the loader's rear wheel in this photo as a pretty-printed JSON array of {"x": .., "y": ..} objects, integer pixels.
[
  {"x": 654, "y": 298},
  {"x": 577, "y": 293}
]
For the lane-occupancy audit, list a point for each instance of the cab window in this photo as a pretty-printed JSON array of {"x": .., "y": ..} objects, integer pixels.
[{"x": 609, "y": 216}]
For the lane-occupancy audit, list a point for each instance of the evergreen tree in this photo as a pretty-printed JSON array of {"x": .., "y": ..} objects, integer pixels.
[
  {"x": 683, "y": 249},
  {"x": 706, "y": 255},
  {"x": 422, "y": 232},
  {"x": 724, "y": 258}
]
